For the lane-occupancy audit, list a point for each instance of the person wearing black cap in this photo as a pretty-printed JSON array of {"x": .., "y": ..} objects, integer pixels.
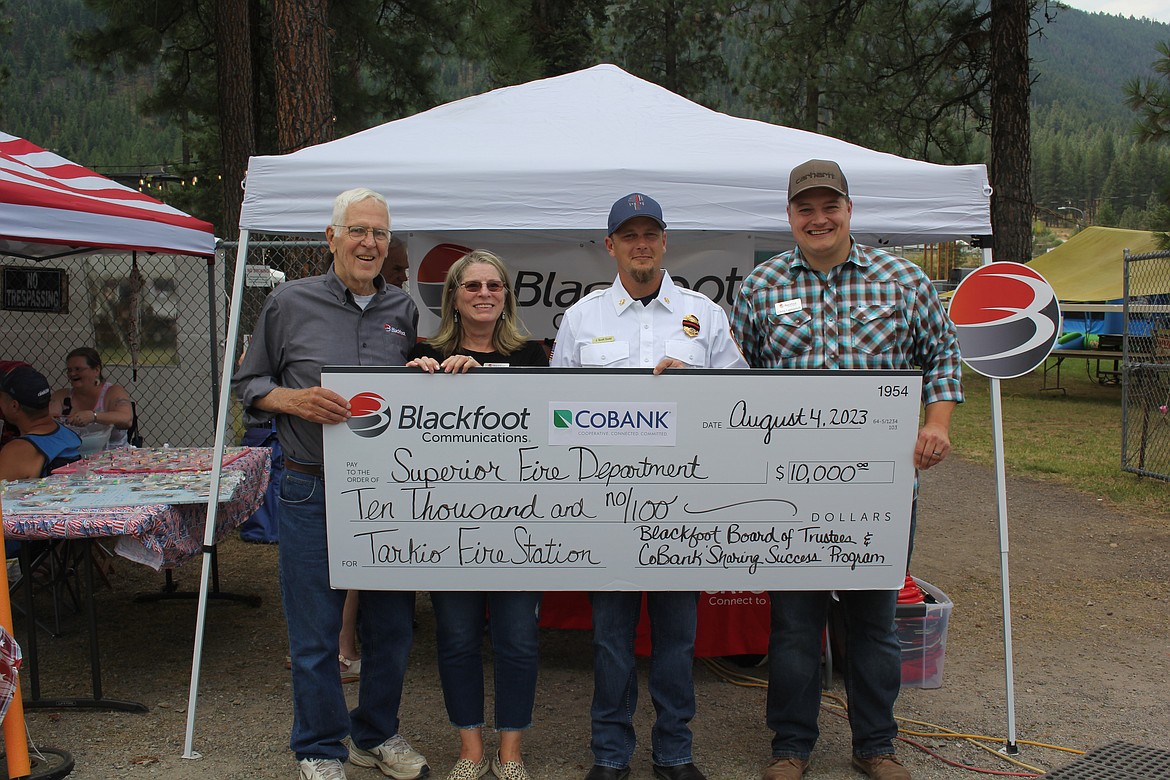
[
  {"x": 43, "y": 444},
  {"x": 643, "y": 321},
  {"x": 833, "y": 303}
]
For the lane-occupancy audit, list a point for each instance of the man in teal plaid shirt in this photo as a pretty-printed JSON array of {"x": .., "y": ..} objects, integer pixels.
[{"x": 833, "y": 303}]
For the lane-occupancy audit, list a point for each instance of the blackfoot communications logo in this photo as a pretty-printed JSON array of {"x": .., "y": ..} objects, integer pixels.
[
  {"x": 370, "y": 415},
  {"x": 1007, "y": 318}
]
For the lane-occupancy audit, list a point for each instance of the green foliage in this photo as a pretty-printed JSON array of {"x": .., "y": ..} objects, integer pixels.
[
  {"x": 1082, "y": 60},
  {"x": 504, "y": 42},
  {"x": 564, "y": 33},
  {"x": 149, "y": 98},
  {"x": 918, "y": 88},
  {"x": 675, "y": 43},
  {"x": 1083, "y": 151},
  {"x": 1107, "y": 215},
  {"x": 1150, "y": 98},
  {"x": 381, "y": 55},
  {"x": 5, "y": 29},
  {"x": 51, "y": 100},
  {"x": 1043, "y": 239},
  {"x": 496, "y": 48},
  {"x": 1077, "y": 162}
]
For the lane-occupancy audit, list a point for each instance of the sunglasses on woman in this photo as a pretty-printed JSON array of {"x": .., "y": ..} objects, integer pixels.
[{"x": 474, "y": 287}]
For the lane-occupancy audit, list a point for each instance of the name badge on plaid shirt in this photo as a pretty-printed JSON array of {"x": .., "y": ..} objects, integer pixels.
[{"x": 788, "y": 306}]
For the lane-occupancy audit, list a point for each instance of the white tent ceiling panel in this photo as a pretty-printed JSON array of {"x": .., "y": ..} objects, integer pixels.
[{"x": 554, "y": 154}]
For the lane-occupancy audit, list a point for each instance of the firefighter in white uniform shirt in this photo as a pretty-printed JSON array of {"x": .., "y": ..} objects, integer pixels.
[{"x": 643, "y": 321}]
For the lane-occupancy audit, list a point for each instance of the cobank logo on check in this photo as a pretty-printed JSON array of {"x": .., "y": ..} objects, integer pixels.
[{"x": 631, "y": 423}]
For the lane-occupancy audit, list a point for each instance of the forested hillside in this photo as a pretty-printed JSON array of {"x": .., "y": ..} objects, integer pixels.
[
  {"x": 59, "y": 104},
  {"x": 1083, "y": 153}
]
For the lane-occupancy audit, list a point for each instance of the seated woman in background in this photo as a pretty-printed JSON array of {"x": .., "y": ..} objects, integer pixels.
[
  {"x": 91, "y": 399},
  {"x": 479, "y": 327}
]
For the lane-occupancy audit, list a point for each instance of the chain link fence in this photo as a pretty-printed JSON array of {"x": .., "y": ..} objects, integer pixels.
[
  {"x": 158, "y": 322},
  {"x": 1145, "y": 404},
  {"x": 152, "y": 318},
  {"x": 271, "y": 260}
]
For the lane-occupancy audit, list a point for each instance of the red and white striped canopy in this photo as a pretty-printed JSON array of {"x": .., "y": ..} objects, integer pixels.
[{"x": 50, "y": 207}]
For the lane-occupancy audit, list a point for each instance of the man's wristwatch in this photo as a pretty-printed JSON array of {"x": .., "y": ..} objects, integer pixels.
[{"x": 95, "y": 416}]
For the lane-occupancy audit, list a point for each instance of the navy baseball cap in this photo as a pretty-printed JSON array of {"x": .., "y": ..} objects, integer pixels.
[
  {"x": 28, "y": 386},
  {"x": 634, "y": 205}
]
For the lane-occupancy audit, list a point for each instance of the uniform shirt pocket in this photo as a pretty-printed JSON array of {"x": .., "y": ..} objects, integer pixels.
[
  {"x": 875, "y": 328},
  {"x": 693, "y": 352},
  {"x": 608, "y": 354}
]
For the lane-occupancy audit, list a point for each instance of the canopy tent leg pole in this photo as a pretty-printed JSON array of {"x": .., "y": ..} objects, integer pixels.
[
  {"x": 221, "y": 424},
  {"x": 213, "y": 343}
]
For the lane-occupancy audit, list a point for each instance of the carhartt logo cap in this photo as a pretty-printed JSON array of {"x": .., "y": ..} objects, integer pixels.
[{"x": 817, "y": 173}]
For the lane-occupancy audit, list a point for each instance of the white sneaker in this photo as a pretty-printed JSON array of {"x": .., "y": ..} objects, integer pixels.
[
  {"x": 394, "y": 758},
  {"x": 321, "y": 769}
]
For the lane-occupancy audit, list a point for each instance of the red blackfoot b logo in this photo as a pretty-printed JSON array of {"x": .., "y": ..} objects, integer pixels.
[
  {"x": 432, "y": 273},
  {"x": 370, "y": 415},
  {"x": 1007, "y": 318}
]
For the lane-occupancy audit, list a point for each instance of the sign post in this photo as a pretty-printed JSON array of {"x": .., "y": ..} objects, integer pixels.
[{"x": 1007, "y": 319}]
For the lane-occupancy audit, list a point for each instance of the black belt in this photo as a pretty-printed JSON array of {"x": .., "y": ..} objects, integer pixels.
[{"x": 305, "y": 468}]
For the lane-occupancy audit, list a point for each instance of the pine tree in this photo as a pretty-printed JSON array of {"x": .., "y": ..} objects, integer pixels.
[{"x": 1150, "y": 98}]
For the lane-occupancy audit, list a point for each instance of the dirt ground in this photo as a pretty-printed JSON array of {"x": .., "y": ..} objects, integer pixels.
[{"x": 1090, "y": 602}]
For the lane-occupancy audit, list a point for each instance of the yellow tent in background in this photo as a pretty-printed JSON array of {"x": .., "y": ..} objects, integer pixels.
[{"x": 1090, "y": 265}]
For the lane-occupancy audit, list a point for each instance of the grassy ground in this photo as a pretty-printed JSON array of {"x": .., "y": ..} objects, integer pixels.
[{"x": 1072, "y": 439}]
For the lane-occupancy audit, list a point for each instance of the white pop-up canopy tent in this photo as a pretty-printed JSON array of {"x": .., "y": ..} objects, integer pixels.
[
  {"x": 540, "y": 164},
  {"x": 553, "y": 155},
  {"x": 530, "y": 172}
]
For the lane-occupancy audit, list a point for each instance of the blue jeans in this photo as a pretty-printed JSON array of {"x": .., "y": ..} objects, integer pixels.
[
  {"x": 615, "y": 677},
  {"x": 313, "y": 611},
  {"x": 459, "y": 630},
  {"x": 873, "y": 673}
]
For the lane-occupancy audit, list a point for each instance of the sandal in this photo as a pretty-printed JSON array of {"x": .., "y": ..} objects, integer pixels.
[{"x": 351, "y": 670}]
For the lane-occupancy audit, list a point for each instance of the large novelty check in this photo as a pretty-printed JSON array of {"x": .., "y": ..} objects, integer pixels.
[{"x": 575, "y": 479}]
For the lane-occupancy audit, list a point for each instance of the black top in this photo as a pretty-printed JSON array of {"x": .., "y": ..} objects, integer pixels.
[{"x": 531, "y": 354}]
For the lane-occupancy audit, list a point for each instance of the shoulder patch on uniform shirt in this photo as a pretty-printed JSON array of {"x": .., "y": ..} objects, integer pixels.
[
  {"x": 602, "y": 339},
  {"x": 789, "y": 306}
]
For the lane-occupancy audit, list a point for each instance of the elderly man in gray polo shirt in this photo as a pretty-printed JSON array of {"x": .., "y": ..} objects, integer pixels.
[{"x": 347, "y": 316}]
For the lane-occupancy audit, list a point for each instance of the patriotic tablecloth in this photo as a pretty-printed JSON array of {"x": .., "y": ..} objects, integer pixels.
[{"x": 161, "y": 536}]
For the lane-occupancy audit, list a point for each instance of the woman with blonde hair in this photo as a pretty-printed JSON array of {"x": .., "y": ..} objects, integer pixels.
[
  {"x": 478, "y": 324},
  {"x": 478, "y": 328}
]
